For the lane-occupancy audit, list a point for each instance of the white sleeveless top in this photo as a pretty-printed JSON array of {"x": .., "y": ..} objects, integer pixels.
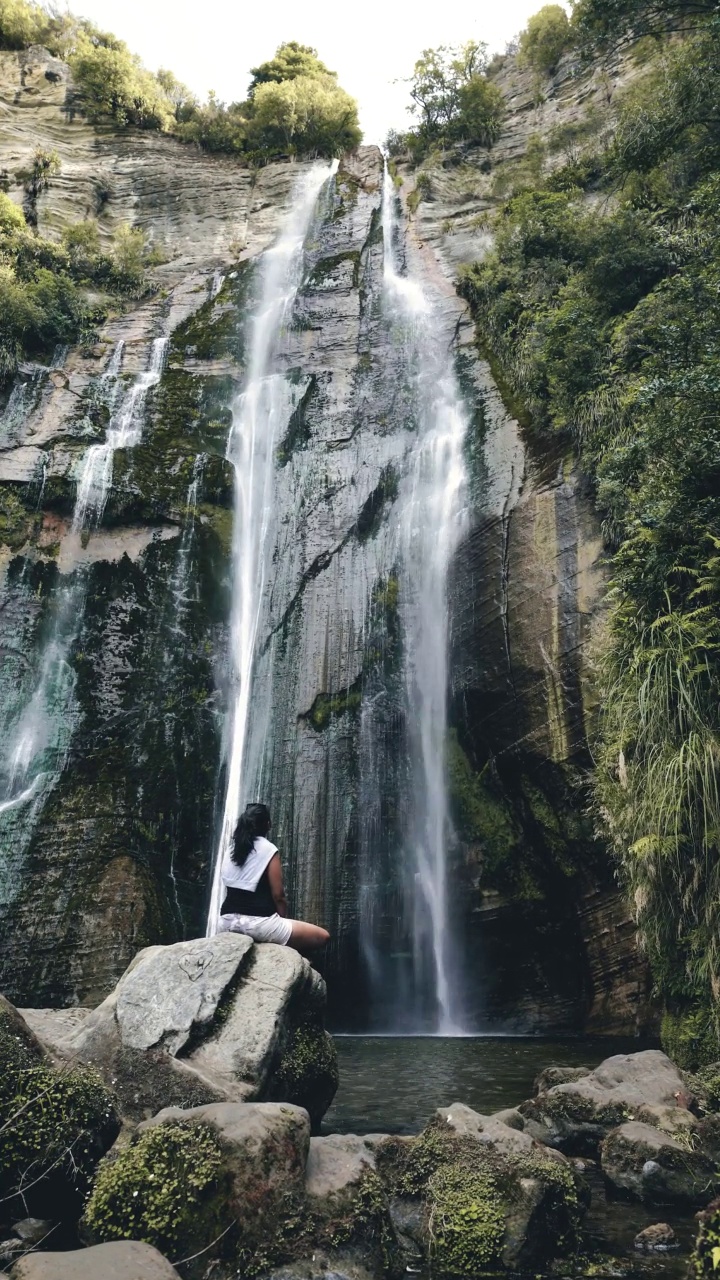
[{"x": 248, "y": 876}]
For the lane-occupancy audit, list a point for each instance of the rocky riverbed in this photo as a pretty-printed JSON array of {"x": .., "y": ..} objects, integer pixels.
[{"x": 174, "y": 1131}]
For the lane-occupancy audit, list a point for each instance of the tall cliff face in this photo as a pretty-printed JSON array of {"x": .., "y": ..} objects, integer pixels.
[{"x": 113, "y": 849}]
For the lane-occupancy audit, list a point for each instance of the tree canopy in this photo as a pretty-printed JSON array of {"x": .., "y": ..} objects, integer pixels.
[
  {"x": 294, "y": 105},
  {"x": 453, "y": 100},
  {"x": 545, "y": 38}
]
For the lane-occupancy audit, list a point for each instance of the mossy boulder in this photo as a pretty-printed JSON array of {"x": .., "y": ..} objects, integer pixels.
[
  {"x": 644, "y": 1162},
  {"x": 485, "y": 1206},
  {"x": 168, "y": 1188},
  {"x": 308, "y": 1071},
  {"x": 57, "y": 1124},
  {"x": 226, "y": 1180},
  {"x": 575, "y": 1116}
]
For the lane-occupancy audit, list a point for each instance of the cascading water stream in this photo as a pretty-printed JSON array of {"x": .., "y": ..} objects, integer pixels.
[
  {"x": 431, "y": 525},
  {"x": 124, "y": 432},
  {"x": 259, "y": 414},
  {"x": 38, "y": 728}
]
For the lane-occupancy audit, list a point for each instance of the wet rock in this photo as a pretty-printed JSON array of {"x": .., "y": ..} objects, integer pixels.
[
  {"x": 650, "y": 1165},
  {"x": 549, "y": 1077},
  {"x": 118, "y": 1260},
  {"x": 320, "y": 1268},
  {"x": 576, "y": 1115},
  {"x": 32, "y": 1230},
  {"x": 656, "y": 1239},
  {"x": 336, "y": 1163}
]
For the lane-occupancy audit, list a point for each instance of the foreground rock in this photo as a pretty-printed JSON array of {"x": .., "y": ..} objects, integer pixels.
[
  {"x": 55, "y": 1125},
  {"x": 576, "y": 1115},
  {"x": 224, "y": 1173},
  {"x": 121, "y": 1260},
  {"x": 656, "y": 1239},
  {"x": 648, "y": 1164},
  {"x": 212, "y": 1020}
]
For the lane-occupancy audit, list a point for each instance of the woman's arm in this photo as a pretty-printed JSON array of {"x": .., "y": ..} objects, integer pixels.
[{"x": 275, "y": 880}]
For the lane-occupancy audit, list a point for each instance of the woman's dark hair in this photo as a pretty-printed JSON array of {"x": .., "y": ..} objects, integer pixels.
[{"x": 254, "y": 822}]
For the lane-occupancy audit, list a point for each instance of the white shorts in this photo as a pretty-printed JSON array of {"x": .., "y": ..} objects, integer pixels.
[{"x": 260, "y": 928}]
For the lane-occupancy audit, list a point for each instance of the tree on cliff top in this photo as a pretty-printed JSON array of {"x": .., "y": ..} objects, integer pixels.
[
  {"x": 546, "y": 37},
  {"x": 291, "y": 61},
  {"x": 453, "y": 100},
  {"x": 295, "y": 103}
]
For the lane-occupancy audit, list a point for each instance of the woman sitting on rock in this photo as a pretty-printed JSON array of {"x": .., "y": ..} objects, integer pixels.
[{"x": 255, "y": 900}]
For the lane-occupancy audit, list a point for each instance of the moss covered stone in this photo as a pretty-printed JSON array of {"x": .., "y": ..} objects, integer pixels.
[
  {"x": 326, "y": 706},
  {"x": 308, "y": 1072},
  {"x": 168, "y": 1188},
  {"x": 56, "y": 1124},
  {"x": 466, "y": 1221},
  {"x": 484, "y": 1208}
]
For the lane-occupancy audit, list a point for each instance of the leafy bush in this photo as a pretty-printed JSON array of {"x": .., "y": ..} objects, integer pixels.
[
  {"x": 546, "y": 37},
  {"x": 606, "y": 326}
]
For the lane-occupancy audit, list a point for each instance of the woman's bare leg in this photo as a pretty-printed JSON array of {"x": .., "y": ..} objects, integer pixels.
[{"x": 307, "y": 938}]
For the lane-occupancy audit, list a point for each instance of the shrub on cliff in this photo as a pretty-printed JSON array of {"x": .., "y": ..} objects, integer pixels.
[
  {"x": 453, "y": 100},
  {"x": 606, "y": 325}
]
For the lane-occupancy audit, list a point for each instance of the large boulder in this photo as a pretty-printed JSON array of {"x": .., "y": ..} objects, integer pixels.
[
  {"x": 337, "y": 1164},
  {"x": 121, "y": 1260},
  {"x": 218, "y": 1181},
  {"x": 576, "y": 1115},
  {"x": 479, "y": 1195},
  {"x": 207, "y": 1021}
]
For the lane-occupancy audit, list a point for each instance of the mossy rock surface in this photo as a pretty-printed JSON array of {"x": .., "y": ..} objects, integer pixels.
[
  {"x": 168, "y": 1188},
  {"x": 484, "y": 1210},
  {"x": 56, "y": 1125},
  {"x": 308, "y": 1074}
]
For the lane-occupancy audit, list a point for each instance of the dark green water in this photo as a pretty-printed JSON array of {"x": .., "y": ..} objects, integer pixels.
[{"x": 393, "y": 1084}]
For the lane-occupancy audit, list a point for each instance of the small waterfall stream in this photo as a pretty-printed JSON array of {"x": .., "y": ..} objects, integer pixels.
[
  {"x": 38, "y": 716},
  {"x": 432, "y": 520},
  {"x": 259, "y": 415}
]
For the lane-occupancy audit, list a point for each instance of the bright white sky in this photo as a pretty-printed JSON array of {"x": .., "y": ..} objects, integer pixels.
[{"x": 212, "y": 44}]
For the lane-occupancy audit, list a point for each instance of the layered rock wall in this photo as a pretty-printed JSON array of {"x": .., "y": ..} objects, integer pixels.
[{"x": 114, "y": 850}]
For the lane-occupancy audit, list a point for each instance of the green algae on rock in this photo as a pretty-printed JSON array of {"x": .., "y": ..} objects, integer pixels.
[
  {"x": 167, "y": 1188},
  {"x": 56, "y": 1122}
]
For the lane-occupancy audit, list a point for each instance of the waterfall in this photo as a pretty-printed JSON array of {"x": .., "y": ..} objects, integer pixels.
[
  {"x": 38, "y": 722},
  {"x": 259, "y": 414},
  {"x": 125, "y": 431},
  {"x": 432, "y": 520}
]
